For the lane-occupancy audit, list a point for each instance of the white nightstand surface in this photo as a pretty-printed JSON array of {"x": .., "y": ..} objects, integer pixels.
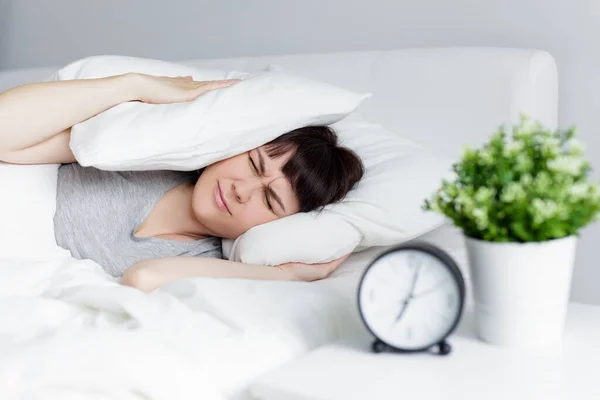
[{"x": 474, "y": 370}]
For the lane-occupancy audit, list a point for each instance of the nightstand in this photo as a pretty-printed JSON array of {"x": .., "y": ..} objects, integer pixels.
[{"x": 347, "y": 370}]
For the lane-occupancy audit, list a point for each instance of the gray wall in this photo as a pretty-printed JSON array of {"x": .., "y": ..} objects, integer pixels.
[{"x": 42, "y": 32}]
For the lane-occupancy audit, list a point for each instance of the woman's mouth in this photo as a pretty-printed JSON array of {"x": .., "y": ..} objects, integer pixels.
[{"x": 221, "y": 200}]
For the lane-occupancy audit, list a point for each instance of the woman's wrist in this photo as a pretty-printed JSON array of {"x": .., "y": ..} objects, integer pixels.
[
  {"x": 285, "y": 274},
  {"x": 128, "y": 86}
]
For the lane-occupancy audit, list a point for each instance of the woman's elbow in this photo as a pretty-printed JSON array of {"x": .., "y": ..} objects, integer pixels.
[{"x": 140, "y": 276}]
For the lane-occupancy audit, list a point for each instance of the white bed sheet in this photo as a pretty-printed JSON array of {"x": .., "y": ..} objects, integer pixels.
[{"x": 69, "y": 329}]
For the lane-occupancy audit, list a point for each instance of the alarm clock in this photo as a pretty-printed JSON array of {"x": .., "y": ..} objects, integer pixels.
[{"x": 411, "y": 299}]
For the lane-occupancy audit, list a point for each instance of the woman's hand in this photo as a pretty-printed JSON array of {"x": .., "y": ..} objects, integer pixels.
[
  {"x": 165, "y": 90},
  {"x": 311, "y": 272}
]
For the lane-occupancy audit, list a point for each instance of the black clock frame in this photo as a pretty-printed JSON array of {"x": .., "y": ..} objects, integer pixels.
[{"x": 443, "y": 347}]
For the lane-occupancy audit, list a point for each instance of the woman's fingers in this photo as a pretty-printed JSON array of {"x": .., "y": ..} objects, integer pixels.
[
  {"x": 211, "y": 85},
  {"x": 205, "y": 87},
  {"x": 221, "y": 84},
  {"x": 339, "y": 261},
  {"x": 333, "y": 265}
]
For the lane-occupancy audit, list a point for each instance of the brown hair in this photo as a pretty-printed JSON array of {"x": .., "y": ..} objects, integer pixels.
[{"x": 320, "y": 171}]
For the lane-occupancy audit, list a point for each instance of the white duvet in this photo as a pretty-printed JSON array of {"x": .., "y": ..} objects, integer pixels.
[{"x": 68, "y": 330}]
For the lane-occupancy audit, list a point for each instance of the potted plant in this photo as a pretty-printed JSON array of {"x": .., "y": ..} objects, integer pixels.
[{"x": 520, "y": 201}]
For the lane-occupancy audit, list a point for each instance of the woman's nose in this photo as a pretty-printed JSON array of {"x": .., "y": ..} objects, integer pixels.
[{"x": 243, "y": 190}]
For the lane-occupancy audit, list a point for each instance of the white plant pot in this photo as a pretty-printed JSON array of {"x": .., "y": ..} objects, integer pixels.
[{"x": 521, "y": 290}]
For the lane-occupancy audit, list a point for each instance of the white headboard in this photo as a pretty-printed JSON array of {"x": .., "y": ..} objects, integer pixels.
[{"x": 442, "y": 98}]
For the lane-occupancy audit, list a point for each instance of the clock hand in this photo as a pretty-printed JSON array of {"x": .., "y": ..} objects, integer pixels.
[
  {"x": 410, "y": 292},
  {"x": 406, "y": 301}
]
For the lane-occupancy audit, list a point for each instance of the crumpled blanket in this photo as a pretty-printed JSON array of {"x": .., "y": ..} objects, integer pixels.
[{"x": 70, "y": 331}]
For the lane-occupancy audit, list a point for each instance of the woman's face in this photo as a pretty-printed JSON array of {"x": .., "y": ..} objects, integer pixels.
[{"x": 238, "y": 193}]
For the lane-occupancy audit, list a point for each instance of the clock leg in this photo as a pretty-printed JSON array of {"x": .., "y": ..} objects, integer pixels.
[
  {"x": 444, "y": 348},
  {"x": 378, "y": 346}
]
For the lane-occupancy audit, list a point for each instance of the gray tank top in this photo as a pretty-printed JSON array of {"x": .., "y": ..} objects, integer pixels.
[{"x": 97, "y": 213}]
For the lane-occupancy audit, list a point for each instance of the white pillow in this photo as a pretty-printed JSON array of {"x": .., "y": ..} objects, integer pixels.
[
  {"x": 217, "y": 125},
  {"x": 383, "y": 209},
  {"x": 27, "y": 208}
]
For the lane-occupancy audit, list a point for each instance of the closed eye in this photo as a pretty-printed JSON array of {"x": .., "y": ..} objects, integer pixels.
[
  {"x": 268, "y": 201},
  {"x": 253, "y": 164},
  {"x": 268, "y": 191}
]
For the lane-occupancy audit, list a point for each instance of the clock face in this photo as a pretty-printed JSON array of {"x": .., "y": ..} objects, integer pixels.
[{"x": 410, "y": 299}]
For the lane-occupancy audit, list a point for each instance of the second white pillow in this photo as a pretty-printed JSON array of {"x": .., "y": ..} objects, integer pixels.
[{"x": 217, "y": 125}]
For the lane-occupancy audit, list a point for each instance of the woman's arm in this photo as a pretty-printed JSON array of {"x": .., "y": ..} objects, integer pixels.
[
  {"x": 33, "y": 113},
  {"x": 36, "y": 119},
  {"x": 150, "y": 274}
]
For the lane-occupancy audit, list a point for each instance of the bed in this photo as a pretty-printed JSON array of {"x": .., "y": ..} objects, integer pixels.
[{"x": 69, "y": 330}]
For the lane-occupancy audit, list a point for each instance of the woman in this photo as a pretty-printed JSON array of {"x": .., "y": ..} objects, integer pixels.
[{"x": 154, "y": 227}]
